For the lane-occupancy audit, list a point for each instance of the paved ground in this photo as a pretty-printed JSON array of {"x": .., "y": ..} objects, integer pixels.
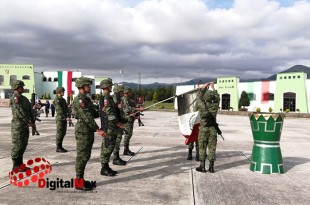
[{"x": 160, "y": 173}]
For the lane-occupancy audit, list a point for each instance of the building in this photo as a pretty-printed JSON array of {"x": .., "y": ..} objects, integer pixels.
[{"x": 290, "y": 91}]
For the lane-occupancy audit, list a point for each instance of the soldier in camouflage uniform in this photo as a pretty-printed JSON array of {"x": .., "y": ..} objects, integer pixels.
[
  {"x": 130, "y": 113},
  {"x": 208, "y": 104},
  {"x": 61, "y": 118},
  {"x": 109, "y": 113},
  {"x": 85, "y": 127},
  {"x": 118, "y": 94},
  {"x": 22, "y": 119},
  {"x": 190, "y": 151}
]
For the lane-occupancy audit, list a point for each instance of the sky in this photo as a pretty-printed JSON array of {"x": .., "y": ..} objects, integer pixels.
[{"x": 166, "y": 41}]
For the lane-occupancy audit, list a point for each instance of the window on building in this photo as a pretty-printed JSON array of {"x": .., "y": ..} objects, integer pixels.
[
  {"x": 294, "y": 77},
  {"x": 232, "y": 81},
  {"x": 280, "y": 78},
  {"x": 1, "y": 79},
  {"x": 73, "y": 92},
  {"x": 298, "y": 76},
  {"x": 97, "y": 86},
  {"x": 26, "y": 77},
  {"x": 55, "y": 79},
  {"x": 284, "y": 77},
  {"x": 26, "y": 90},
  {"x": 12, "y": 78},
  {"x": 50, "y": 79},
  {"x": 44, "y": 78},
  {"x": 74, "y": 79},
  {"x": 289, "y": 77}
]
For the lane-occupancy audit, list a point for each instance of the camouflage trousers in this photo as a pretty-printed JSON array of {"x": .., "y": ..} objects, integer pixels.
[
  {"x": 207, "y": 138},
  {"x": 119, "y": 134},
  {"x": 20, "y": 137},
  {"x": 129, "y": 131},
  {"x": 84, "y": 143},
  {"x": 61, "y": 126},
  {"x": 108, "y": 144},
  {"x": 191, "y": 146}
]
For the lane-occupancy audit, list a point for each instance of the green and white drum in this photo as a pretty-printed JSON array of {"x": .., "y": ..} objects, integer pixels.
[{"x": 266, "y": 152}]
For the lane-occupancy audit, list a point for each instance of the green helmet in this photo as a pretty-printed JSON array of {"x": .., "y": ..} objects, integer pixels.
[
  {"x": 118, "y": 88},
  {"x": 17, "y": 83},
  {"x": 106, "y": 83},
  {"x": 127, "y": 89},
  {"x": 81, "y": 81},
  {"x": 60, "y": 89}
]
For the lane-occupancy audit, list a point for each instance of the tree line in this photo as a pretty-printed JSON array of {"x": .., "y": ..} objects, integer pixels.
[{"x": 155, "y": 95}]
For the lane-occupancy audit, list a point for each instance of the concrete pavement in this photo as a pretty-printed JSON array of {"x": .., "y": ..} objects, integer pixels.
[{"x": 160, "y": 173}]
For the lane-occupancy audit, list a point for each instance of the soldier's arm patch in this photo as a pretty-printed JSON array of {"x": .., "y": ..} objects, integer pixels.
[
  {"x": 82, "y": 105},
  {"x": 16, "y": 100}
]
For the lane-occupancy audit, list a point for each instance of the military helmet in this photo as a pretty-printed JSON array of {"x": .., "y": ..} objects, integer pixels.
[
  {"x": 60, "y": 89},
  {"x": 127, "y": 89},
  {"x": 118, "y": 88},
  {"x": 106, "y": 83},
  {"x": 17, "y": 83},
  {"x": 81, "y": 81}
]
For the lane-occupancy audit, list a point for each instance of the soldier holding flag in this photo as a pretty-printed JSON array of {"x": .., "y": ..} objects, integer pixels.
[{"x": 208, "y": 104}]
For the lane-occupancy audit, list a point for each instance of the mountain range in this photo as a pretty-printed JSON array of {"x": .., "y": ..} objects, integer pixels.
[{"x": 295, "y": 68}]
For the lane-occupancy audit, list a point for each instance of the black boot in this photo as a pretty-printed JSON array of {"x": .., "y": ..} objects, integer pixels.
[
  {"x": 189, "y": 155},
  {"x": 106, "y": 170},
  {"x": 211, "y": 167},
  {"x": 118, "y": 161},
  {"x": 197, "y": 156},
  {"x": 18, "y": 164},
  {"x": 60, "y": 149},
  {"x": 127, "y": 151},
  {"x": 202, "y": 167}
]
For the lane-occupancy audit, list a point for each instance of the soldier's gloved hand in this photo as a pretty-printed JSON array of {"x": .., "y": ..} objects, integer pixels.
[{"x": 102, "y": 133}]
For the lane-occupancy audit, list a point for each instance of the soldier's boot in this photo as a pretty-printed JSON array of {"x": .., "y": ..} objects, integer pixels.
[
  {"x": 18, "y": 164},
  {"x": 118, "y": 161},
  {"x": 197, "y": 156},
  {"x": 86, "y": 187},
  {"x": 211, "y": 167},
  {"x": 127, "y": 151},
  {"x": 202, "y": 167},
  {"x": 190, "y": 154},
  {"x": 106, "y": 170},
  {"x": 60, "y": 148}
]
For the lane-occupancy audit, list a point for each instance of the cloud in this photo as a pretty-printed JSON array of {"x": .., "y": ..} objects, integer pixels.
[{"x": 165, "y": 41}]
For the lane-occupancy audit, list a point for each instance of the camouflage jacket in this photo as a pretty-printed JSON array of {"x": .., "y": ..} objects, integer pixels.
[
  {"x": 21, "y": 108},
  {"x": 61, "y": 107},
  {"x": 127, "y": 108},
  {"x": 208, "y": 103},
  {"x": 110, "y": 108},
  {"x": 84, "y": 111}
]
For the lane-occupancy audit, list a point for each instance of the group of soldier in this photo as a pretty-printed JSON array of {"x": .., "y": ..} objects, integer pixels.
[{"x": 117, "y": 115}]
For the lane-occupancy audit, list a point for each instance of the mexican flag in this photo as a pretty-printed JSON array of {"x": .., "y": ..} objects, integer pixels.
[
  {"x": 65, "y": 80},
  {"x": 188, "y": 116}
]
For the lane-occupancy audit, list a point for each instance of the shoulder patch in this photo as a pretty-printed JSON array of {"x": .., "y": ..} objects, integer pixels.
[
  {"x": 82, "y": 104},
  {"x": 16, "y": 99}
]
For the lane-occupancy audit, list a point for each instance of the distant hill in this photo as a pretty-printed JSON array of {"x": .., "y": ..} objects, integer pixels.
[{"x": 295, "y": 68}]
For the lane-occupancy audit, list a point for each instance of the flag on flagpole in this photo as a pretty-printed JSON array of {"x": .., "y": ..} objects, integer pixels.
[
  {"x": 65, "y": 80},
  {"x": 188, "y": 116}
]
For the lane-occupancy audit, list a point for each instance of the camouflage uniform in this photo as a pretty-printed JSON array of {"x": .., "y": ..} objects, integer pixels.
[
  {"x": 128, "y": 109},
  {"x": 21, "y": 112},
  {"x": 61, "y": 118},
  {"x": 120, "y": 117},
  {"x": 109, "y": 113},
  {"x": 85, "y": 127},
  {"x": 208, "y": 103}
]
